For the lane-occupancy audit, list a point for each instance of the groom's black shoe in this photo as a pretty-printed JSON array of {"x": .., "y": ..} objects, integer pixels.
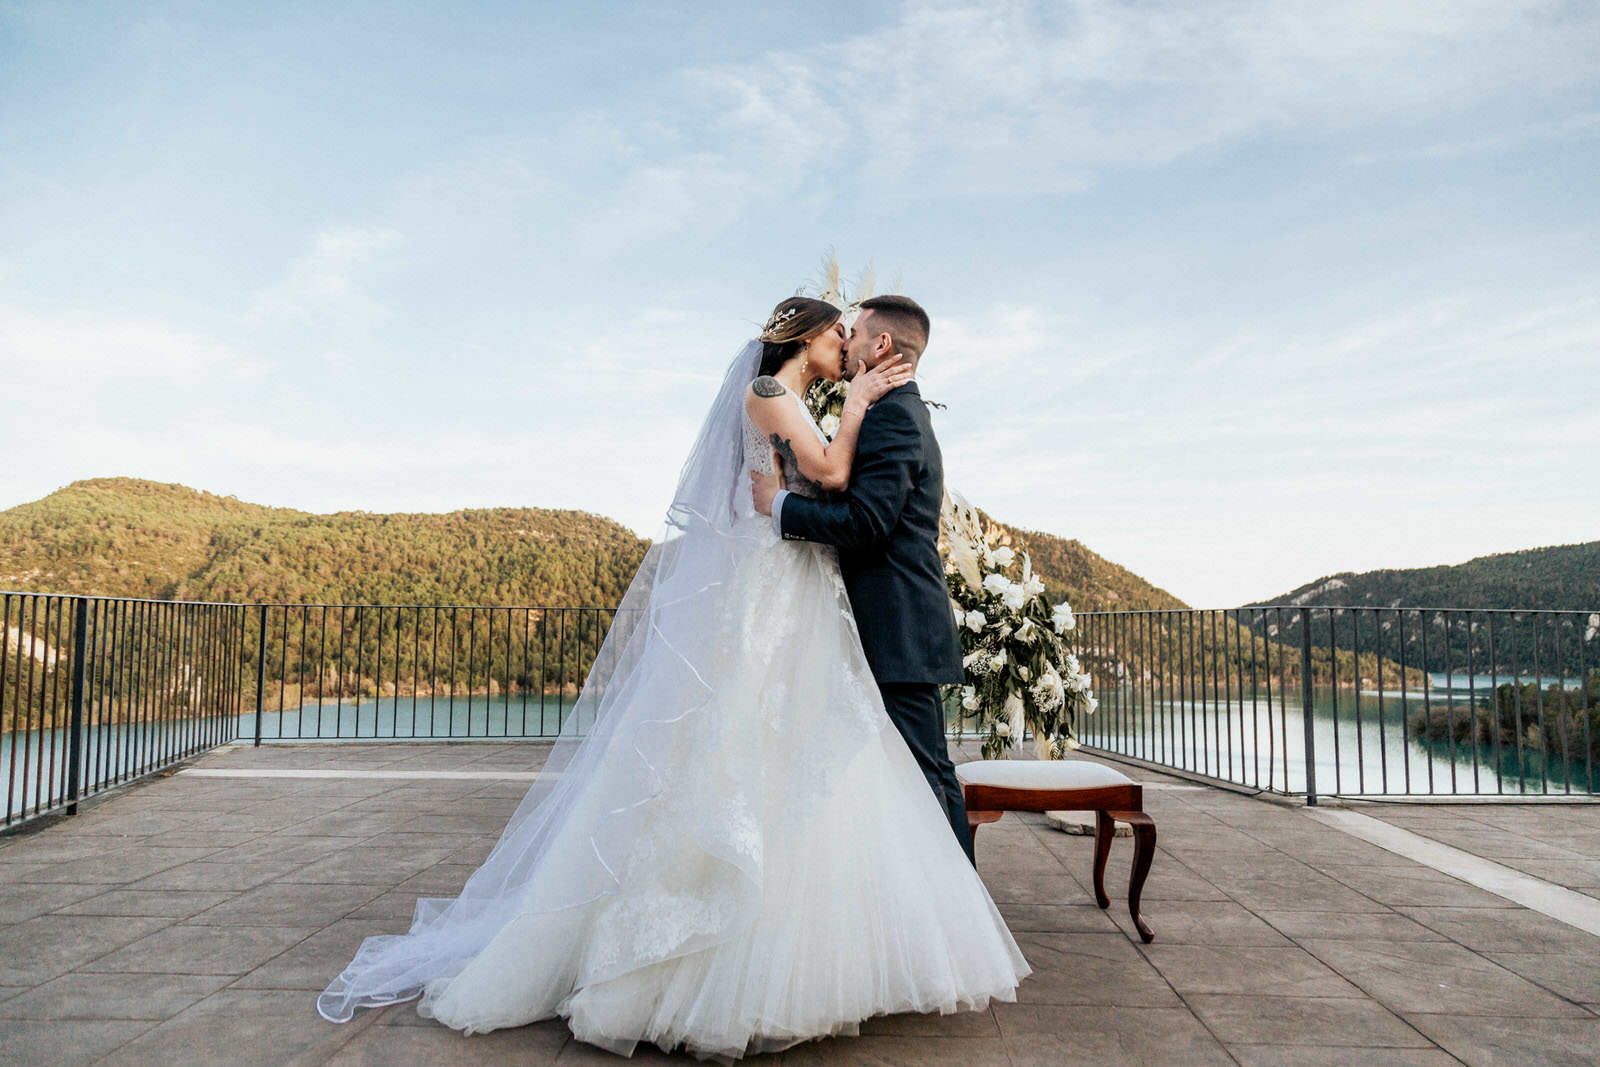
[{"x": 917, "y": 712}]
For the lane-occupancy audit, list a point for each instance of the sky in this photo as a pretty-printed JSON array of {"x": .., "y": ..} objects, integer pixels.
[{"x": 1238, "y": 294}]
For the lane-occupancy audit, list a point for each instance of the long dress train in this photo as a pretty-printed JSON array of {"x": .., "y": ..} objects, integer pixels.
[{"x": 739, "y": 852}]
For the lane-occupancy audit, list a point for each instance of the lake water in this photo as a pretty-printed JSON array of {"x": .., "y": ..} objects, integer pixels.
[{"x": 1362, "y": 741}]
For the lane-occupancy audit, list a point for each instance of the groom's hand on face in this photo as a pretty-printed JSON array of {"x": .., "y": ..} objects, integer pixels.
[{"x": 763, "y": 487}]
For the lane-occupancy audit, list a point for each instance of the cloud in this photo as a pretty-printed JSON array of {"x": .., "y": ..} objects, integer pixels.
[
  {"x": 327, "y": 286},
  {"x": 79, "y": 348}
]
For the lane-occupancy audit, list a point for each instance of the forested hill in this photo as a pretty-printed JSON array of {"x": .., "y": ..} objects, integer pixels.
[
  {"x": 1087, "y": 580},
  {"x": 129, "y": 537},
  {"x": 1563, "y": 577}
]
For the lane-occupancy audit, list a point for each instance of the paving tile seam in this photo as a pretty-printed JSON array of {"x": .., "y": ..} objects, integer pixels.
[{"x": 1558, "y": 902}]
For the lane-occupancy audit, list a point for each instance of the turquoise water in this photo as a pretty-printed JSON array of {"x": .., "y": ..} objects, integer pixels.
[{"x": 1362, "y": 742}]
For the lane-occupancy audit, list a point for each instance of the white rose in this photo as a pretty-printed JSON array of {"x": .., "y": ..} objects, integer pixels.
[
  {"x": 830, "y": 425},
  {"x": 999, "y": 659},
  {"x": 1014, "y": 597},
  {"x": 1062, "y": 618},
  {"x": 961, "y": 616},
  {"x": 1024, "y": 673},
  {"x": 969, "y": 698},
  {"x": 997, "y": 584},
  {"x": 976, "y": 621},
  {"x": 999, "y": 557},
  {"x": 1025, "y": 632},
  {"x": 1003, "y": 729}
]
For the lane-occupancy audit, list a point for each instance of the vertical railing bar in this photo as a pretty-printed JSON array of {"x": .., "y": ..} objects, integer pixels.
[
  {"x": 451, "y": 718},
  {"x": 261, "y": 668},
  {"x": 27, "y": 761},
  {"x": 1472, "y": 696},
  {"x": 1561, "y": 695},
  {"x": 1405, "y": 698},
  {"x": 1449, "y": 701},
  {"x": 1538, "y": 698},
  {"x": 527, "y": 625},
  {"x": 1306, "y": 709},
  {"x": 1427, "y": 699},
  {"x": 433, "y": 678},
  {"x": 377, "y": 681},
  {"x": 1361, "y": 744},
  {"x": 505, "y": 690},
  {"x": 1583, "y": 693},
  {"x": 472, "y": 655},
  {"x": 416, "y": 667},
  {"x": 561, "y": 693},
  {"x": 1333, "y": 688},
  {"x": 283, "y": 670},
  {"x": 544, "y": 665},
  {"x": 1231, "y": 667},
  {"x": 394, "y": 723},
  {"x": 104, "y": 658},
  {"x": 80, "y": 667}
]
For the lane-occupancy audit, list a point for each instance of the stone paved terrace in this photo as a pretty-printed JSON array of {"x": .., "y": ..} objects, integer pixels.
[{"x": 191, "y": 919}]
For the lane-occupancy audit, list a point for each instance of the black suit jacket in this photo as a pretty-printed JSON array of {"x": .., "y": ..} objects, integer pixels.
[{"x": 886, "y": 527}]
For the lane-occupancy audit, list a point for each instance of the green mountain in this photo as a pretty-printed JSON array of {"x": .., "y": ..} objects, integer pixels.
[
  {"x": 129, "y": 537},
  {"x": 1083, "y": 578},
  {"x": 1530, "y": 638},
  {"x": 1559, "y": 578}
]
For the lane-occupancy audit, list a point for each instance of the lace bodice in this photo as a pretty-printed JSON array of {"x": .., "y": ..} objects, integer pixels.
[{"x": 758, "y": 451}]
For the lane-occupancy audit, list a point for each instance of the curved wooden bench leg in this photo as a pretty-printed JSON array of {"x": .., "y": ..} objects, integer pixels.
[
  {"x": 1104, "y": 830},
  {"x": 976, "y": 819},
  {"x": 1144, "y": 850}
]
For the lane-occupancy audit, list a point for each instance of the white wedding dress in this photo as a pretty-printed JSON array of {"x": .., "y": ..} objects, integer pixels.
[{"x": 737, "y": 852}]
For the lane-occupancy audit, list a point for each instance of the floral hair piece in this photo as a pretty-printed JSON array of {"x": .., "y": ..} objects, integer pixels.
[{"x": 769, "y": 332}]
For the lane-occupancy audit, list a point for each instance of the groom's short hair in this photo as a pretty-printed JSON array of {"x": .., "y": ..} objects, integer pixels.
[{"x": 903, "y": 319}]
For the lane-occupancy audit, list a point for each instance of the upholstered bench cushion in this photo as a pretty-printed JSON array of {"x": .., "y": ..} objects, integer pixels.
[{"x": 1039, "y": 774}]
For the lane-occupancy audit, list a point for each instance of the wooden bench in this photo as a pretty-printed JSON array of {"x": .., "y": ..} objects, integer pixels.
[{"x": 994, "y": 787}]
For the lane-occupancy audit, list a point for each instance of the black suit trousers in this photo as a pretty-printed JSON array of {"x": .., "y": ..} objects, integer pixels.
[{"x": 916, "y": 711}]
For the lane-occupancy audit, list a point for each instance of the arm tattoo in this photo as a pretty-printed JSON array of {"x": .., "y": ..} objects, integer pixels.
[
  {"x": 785, "y": 449},
  {"x": 767, "y": 386}
]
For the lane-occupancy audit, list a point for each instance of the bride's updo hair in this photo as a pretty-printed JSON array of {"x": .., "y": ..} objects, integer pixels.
[{"x": 794, "y": 322}]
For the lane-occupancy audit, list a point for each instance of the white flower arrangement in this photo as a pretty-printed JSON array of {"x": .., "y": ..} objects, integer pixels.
[{"x": 1020, "y": 673}]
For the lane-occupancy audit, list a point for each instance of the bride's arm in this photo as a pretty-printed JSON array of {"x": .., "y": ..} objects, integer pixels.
[{"x": 789, "y": 429}]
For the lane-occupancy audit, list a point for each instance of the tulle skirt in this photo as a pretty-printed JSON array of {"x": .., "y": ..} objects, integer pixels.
[{"x": 789, "y": 875}]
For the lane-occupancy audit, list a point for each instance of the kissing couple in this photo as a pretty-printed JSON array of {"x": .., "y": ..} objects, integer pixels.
[{"x": 750, "y": 833}]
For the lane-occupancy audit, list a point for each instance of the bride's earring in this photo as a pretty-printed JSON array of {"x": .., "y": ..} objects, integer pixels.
[{"x": 805, "y": 363}]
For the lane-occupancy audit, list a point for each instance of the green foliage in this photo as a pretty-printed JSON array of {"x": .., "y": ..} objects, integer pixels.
[
  {"x": 1558, "y": 721},
  {"x": 127, "y": 537},
  {"x": 1559, "y": 578},
  {"x": 1083, "y": 578}
]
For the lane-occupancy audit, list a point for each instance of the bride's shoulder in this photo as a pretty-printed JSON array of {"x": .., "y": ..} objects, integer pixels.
[{"x": 766, "y": 387}]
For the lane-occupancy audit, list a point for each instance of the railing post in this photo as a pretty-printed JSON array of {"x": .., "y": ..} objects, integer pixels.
[
  {"x": 261, "y": 670},
  {"x": 1305, "y": 706},
  {"x": 80, "y": 667}
]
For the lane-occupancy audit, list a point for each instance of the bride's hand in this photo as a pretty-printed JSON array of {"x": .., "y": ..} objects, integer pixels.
[{"x": 869, "y": 385}]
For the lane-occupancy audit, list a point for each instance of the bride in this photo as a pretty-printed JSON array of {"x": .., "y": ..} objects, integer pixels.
[{"x": 730, "y": 848}]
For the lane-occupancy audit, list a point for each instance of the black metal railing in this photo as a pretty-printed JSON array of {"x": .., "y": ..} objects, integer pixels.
[
  {"x": 95, "y": 691},
  {"x": 329, "y": 671},
  {"x": 1354, "y": 701}
]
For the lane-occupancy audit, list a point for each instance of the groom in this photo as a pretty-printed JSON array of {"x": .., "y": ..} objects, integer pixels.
[{"x": 886, "y": 527}]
